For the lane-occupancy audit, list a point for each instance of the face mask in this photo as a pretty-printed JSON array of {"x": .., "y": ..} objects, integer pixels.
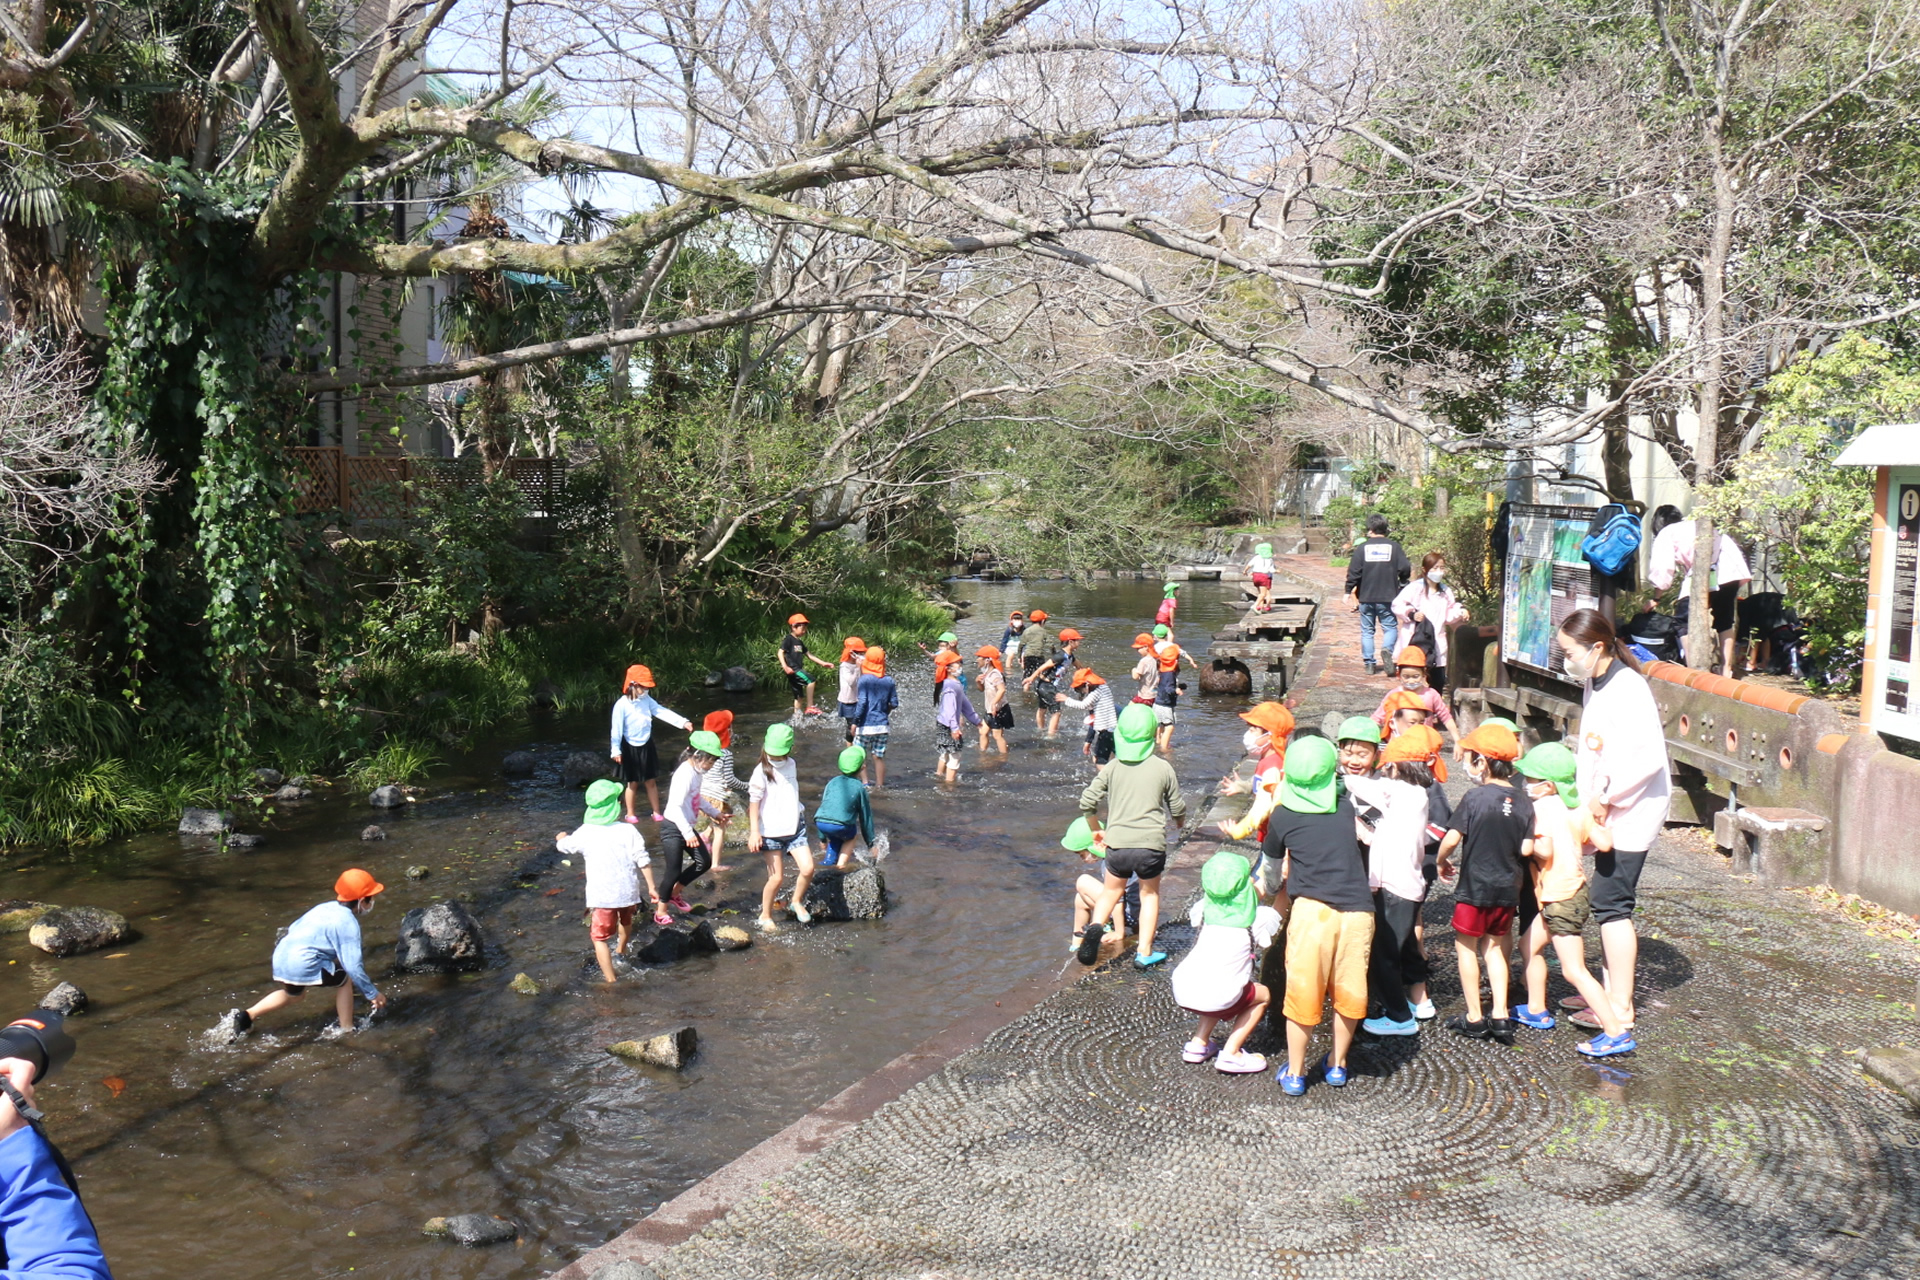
[
  {"x": 1251, "y": 740},
  {"x": 1436, "y": 574},
  {"x": 1580, "y": 664},
  {"x": 1413, "y": 682}
]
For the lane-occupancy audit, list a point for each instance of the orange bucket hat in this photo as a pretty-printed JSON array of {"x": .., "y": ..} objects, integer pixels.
[
  {"x": 1411, "y": 656},
  {"x": 638, "y": 675},
  {"x": 1405, "y": 699},
  {"x": 988, "y": 653},
  {"x": 1271, "y": 716},
  {"x": 1493, "y": 742},
  {"x": 355, "y": 884},
  {"x": 720, "y": 724},
  {"x": 1068, "y": 633},
  {"x": 796, "y": 619},
  {"x": 1085, "y": 676},
  {"x": 875, "y": 663},
  {"x": 1420, "y": 744},
  {"x": 1038, "y": 615},
  {"x": 850, "y": 646}
]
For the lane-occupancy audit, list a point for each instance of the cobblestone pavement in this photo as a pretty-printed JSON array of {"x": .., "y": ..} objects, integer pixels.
[{"x": 1741, "y": 1140}]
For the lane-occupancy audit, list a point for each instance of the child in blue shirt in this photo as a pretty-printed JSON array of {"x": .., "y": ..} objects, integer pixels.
[{"x": 844, "y": 810}]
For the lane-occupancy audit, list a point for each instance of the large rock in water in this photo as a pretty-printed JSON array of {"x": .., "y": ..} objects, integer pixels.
[
  {"x": 851, "y": 895},
  {"x": 517, "y": 764},
  {"x": 472, "y": 1228},
  {"x": 738, "y": 680},
  {"x": 671, "y": 1049},
  {"x": 583, "y": 767},
  {"x": 387, "y": 797},
  {"x": 204, "y": 822},
  {"x": 731, "y": 937},
  {"x": 1226, "y": 677},
  {"x": 67, "y": 931},
  {"x": 669, "y": 946},
  {"x": 441, "y": 938}
]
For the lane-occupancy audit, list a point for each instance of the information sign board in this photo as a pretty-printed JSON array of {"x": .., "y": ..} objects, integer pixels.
[{"x": 1547, "y": 579}]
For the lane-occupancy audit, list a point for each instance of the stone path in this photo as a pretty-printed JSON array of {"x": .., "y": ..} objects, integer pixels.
[{"x": 1741, "y": 1140}]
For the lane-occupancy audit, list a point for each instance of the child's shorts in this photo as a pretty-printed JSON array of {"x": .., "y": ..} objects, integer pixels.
[
  {"x": 875, "y": 744},
  {"x": 1470, "y": 921},
  {"x": 609, "y": 920},
  {"x": 798, "y": 682},
  {"x": 1048, "y": 695},
  {"x": 795, "y": 843},
  {"x": 1249, "y": 996},
  {"x": 1327, "y": 952},
  {"x": 832, "y": 836},
  {"x": 1263, "y": 580},
  {"x": 1162, "y": 713},
  {"x": 1002, "y": 717},
  {"x": 846, "y": 710},
  {"x": 947, "y": 746},
  {"x": 1102, "y": 740},
  {"x": 1568, "y": 917},
  {"x": 331, "y": 979}
]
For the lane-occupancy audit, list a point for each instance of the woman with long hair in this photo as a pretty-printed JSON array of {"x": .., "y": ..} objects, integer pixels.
[{"x": 1428, "y": 599}]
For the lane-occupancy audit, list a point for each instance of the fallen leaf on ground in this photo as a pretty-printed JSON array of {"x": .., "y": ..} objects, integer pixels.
[
  {"x": 549, "y": 893},
  {"x": 115, "y": 1085}
]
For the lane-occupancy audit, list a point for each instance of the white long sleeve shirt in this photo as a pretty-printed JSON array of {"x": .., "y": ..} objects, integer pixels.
[
  {"x": 778, "y": 796},
  {"x": 684, "y": 798},
  {"x": 1399, "y": 840},
  {"x": 1672, "y": 553},
  {"x": 614, "y": 855},
  {"x": 633, "y": 720},
  {"x": 1622, "y": 756}
]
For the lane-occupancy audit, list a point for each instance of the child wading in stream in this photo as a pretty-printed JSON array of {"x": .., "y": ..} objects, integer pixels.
[
  {"x": 875, "y": 699},
  {"x": 633, "y": 747},
  {"x": 1096, "y": 698},
  {"x": 1215, "y": 982},
  {"x": 794, "y": 658},
  {"x": 777, "y": 825},
  {"x": 996, "y": 711},
  {"x": 1142, "y": 795},
  {"x": 718, "y": 786},
  {"x": 684, "y": 856},
  {"x": 616, "y": 863},
  {"x": 853, "y": 650},
  {"x": 1055, "y": 678},
  {"x": 954, "y": 714},
  {"x": 844, "y": 812},
  {"x": 322, "y": 949}
]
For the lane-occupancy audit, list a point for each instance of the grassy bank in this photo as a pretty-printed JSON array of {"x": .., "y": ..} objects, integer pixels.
[{"x": 389, "y": 719}]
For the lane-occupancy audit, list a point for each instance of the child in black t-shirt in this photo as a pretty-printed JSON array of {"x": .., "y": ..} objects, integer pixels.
[
  {"x": 1492, "y": 829},
  {"x": 793, "y": 660}
]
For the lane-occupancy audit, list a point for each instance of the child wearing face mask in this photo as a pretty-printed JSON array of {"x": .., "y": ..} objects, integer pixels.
[
  {"x": 1410, "y": 669},
  {"x": 1428, "y": 599}
]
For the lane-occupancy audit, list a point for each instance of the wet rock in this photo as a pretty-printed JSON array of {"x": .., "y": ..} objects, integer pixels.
[
  {"x": 671, "y": 1049},
  {"x": 1228, "y": 677},
  {"x": 1897, "y": 1067},
  {"x": 67, "y": 931},
  {"x": 387, "y": 797},
  {"x": 738, "y": 680},
  {"x": 851, "y": 895},
  {"x": 302, "y": 780},
  {"x": 732, "y": 937},
  {"x": 712, "y": 679},
  {"x": 583, "y": 767},
  {"x": 669, "y": 946},
  {"x": 702, "y": 940},
  {"x": 441, "y": 938},
  {"x": 290, "y": 793},
  {"x": 625, "y": 1269},
  {"x": 204, "y": 822},
  {"x": 373, "y": 831},
  {"x": 418, "y": 873},
  {"x": 65, "y": 999},
  {"x": 244, "y": 840},
  {"x": 524, "y": 985},
  {"x": 517, "y": 764},
  {"x": 269, "y": 777},
  {"x": 546, "y": 695},
  {"x": 18, "y": 914},
  {"x": 472, "y": 1229}
]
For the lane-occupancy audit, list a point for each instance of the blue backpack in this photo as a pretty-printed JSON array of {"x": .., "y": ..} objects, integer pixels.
[{"x": 1612, "y": 548}]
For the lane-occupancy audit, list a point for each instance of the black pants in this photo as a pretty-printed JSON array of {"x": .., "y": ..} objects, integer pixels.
[
  {"x": 1396, "y": 960},
  {"x": 681, "y": 863}
]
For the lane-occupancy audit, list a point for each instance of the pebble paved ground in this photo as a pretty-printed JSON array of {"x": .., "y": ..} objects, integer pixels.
[{"x": 1741, "y": 1140}]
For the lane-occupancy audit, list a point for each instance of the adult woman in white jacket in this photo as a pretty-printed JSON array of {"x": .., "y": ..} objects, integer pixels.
[
  {"x": 1622, "y": 774},
  {"x": 1428, "y": 597}
]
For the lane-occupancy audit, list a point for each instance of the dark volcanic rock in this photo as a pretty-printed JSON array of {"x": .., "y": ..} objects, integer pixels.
[
  {"x": 65, "y": 998},
  {"x": 738, "y": 680},
  {"x": 851, "y": 895},
  {"x": 67, "y": 931},
  {"x": 441, "y": 938},
  {"x": 517, "y": 764},
  {"x": 702, "y": 941},
  {"x": 669, "y": 946},
  {"x": 1226, "y": 678},
  {"x": 244, "y": 840},
  {"x": 583, "y": 767},
  {"x": 373, "y": 831},
  {"x": 387, "y": 797},
  {"x": 204, "y": 822}
]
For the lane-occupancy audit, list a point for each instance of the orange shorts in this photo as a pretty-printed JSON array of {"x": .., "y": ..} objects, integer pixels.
[
  {"x": 1326, "y": 953},
  {"x": 608, "y": 920}
]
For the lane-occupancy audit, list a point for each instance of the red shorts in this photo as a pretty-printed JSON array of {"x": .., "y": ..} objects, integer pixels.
[
  {"x": 1262, "y": 579},
  {"x": 1248, "y": 998},
  {"x": 1470, "y": 921},
  {"x": 606, "y": 920}
]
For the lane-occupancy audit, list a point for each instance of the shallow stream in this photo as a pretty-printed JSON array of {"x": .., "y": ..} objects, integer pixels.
[{"x": 302, "y": 1153}]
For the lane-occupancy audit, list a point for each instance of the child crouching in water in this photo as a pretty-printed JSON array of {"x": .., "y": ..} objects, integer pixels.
[
  {"x": 1091, "y": 845},
  {"x": 616, "y": 859},
  {"x": 844, "y": 811},
  {"x": 1215, "y": 981},
  {"x": 1560, "y": 832}
]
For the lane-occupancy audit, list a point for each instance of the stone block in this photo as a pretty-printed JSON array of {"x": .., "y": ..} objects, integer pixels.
[
  {"x": 1897, "y": 1067},
  {"x": 1779, "y": 846},
  {"x": 671, "y": 1049}
]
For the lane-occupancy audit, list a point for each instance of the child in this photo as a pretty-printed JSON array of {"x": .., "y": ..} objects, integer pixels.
[
  {"x": 1311, "y": 842},
  {"x": 1055, "y": 677},
  {"x": 1359, "y": 740},
  {"x": 844, "y": 810},
  {"x": 1410, "y": 668},
  {"x": 616, "y": 863},
  {"x": 1396, "y": 846},
  {"x": 1036, "y": 643},
  {"x": 1423, "y": 745},
  {"x": 1215, "y": 981},
  {"x": 993, "y": 691},
  {"x": 1092, "y": 847},
  {"x": 1403, "y": 711},
  {"x": 875, "y": 699},
  {"x": 1142, "y": 795},
  {"x": 1269, "y": 726},
  {"x": 1493, "y": 829},
  {"x": 852, "y": 651},
  {"x": 1169, "y": 601},
  {"x": 632, "y": 746},
  {"x": 794, "y": 658},
  {"x": 1146, "y": 672},
  {"x": 686, "y": 800},
  {"x": 1101, "y": 717},
  {"x": 1016, "y": 623},
  {"x": 946, "y": 658},
  {"x": 322, "y": 949},
  {"x": 1166, "y": 695},
  {"x": 718, "y": 786},
  {"x": 776, "y": 825},
  {"x": 956, "y": 711},
  {"x": 1260, "y": 569},
  {"x": 1560, "y": 832}
]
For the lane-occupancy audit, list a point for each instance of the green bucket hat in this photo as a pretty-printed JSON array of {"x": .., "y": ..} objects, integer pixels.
[
  {"x": 1079, "y": 837},
  {"x": 1308, "y": 786},
  {"x": 1552, "y": 762},
  {"x": 603, "y": 802},
  {"x": 1359, "y": 729},
  {"x": 1133, "y": 735},
  {"x": 851, "y": 758},
  {"x": 1160, "y": 631},
  {"x": 1504, "y": 723},
  {"x": 1171, "y": 588},
  {"x": 779, "y": 740},
  {"x": 1227, "y": 880},
  {"x": 947, "y": 637},
  {"x": 707, "y": 744},
  {"x": 1264, "y": 549}
]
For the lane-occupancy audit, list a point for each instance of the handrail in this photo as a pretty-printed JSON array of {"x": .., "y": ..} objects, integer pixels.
[{"x": 1757, "y": 695}]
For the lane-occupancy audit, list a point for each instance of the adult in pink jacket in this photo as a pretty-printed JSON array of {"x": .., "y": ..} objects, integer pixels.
[
  {"x": 1622, "y": 774},
  {"x": 1428, "y": 596}
]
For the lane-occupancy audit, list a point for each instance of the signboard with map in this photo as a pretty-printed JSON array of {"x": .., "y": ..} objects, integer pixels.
[
  {"x": 1897, "y": 707},
  {"x": 1547, "y": 579}
]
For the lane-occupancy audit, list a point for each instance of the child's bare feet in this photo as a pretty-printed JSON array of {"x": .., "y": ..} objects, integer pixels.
[{"x": 766, "y": 925}]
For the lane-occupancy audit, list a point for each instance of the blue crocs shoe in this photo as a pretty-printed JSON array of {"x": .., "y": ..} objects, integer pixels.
[
  {"x": 1542, "y": 1021},
  {"x": 1335, "y": 1076},
  {"x": 1388, "y": 1027},
  {"x": 1605, "y": 1046},
  {"x": 1292, "y": 1086},
  {"x": 1147, "y": 962}
]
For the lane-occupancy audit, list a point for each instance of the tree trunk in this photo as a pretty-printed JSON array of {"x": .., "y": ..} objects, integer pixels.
[
  {"x": 1616, "y": 455},
  {"x": 1702, "y": 643}
]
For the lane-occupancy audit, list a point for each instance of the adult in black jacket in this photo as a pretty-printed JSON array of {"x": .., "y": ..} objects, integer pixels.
[{"x": 1375, "y": 573}]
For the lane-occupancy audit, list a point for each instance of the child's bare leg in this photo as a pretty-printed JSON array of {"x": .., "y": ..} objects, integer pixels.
[
  {"x": 1466, "y": 953},
  {"x": 629, "y": 797},
  {"x": 343, "y": 1005},
  {"x": 1572, "y": 949},
  {"x": 1243, "y": 1025},
  {"x": 1149, "y": 914},
  {"x": 880, "y": 771},
  {"x": 1110, "y": 893},
  {"x": 1298, "y": 1038},
  {"x": 1537, "y": 964},
  {"x": 623, "y": 935},
  {"x": 653, "y": 796},
  {"x": 279, "y": 998},
  {"x": 1343, "y": 1033},
  {"x": 803, "y": 859},
  {"x": 1086, "y": 891},
  {"x": 1204, "y": 1032},
  {"x": 1500, "y": 971},
  {"x": 1000, "y": 740},
  {"x": 605, "y": 958},
  {"x": 1053, "y": 724},
  {"x": 771, "y": 889}
]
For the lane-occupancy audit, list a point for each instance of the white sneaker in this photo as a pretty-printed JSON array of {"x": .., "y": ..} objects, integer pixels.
[
  {"x": 800, "y": 911},
  {"x": 1424, "y": 1011}
]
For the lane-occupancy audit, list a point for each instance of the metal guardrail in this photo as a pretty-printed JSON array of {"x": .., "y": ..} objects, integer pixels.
[{"x": 326, "y": 478}]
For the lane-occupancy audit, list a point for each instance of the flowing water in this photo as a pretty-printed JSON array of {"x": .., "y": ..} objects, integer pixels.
[{"x": 302, "y": 1153}]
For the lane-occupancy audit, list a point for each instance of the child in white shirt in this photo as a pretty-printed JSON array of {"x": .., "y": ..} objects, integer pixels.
[
  {"x": 616, "y": 862},
  {"x": 1215, "y": 981}
]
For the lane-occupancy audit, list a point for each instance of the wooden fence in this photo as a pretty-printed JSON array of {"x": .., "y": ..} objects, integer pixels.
[{"x": 325, "y": 478}]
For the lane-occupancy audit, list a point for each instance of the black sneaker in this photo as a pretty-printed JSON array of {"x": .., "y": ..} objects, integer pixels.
[
  {"x": 1500, "y": 1030},
  {"x": 1090, "y": 944},
  {"x": 235, "y": 1024},
  {"x": 1461, "y": 1025}
]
